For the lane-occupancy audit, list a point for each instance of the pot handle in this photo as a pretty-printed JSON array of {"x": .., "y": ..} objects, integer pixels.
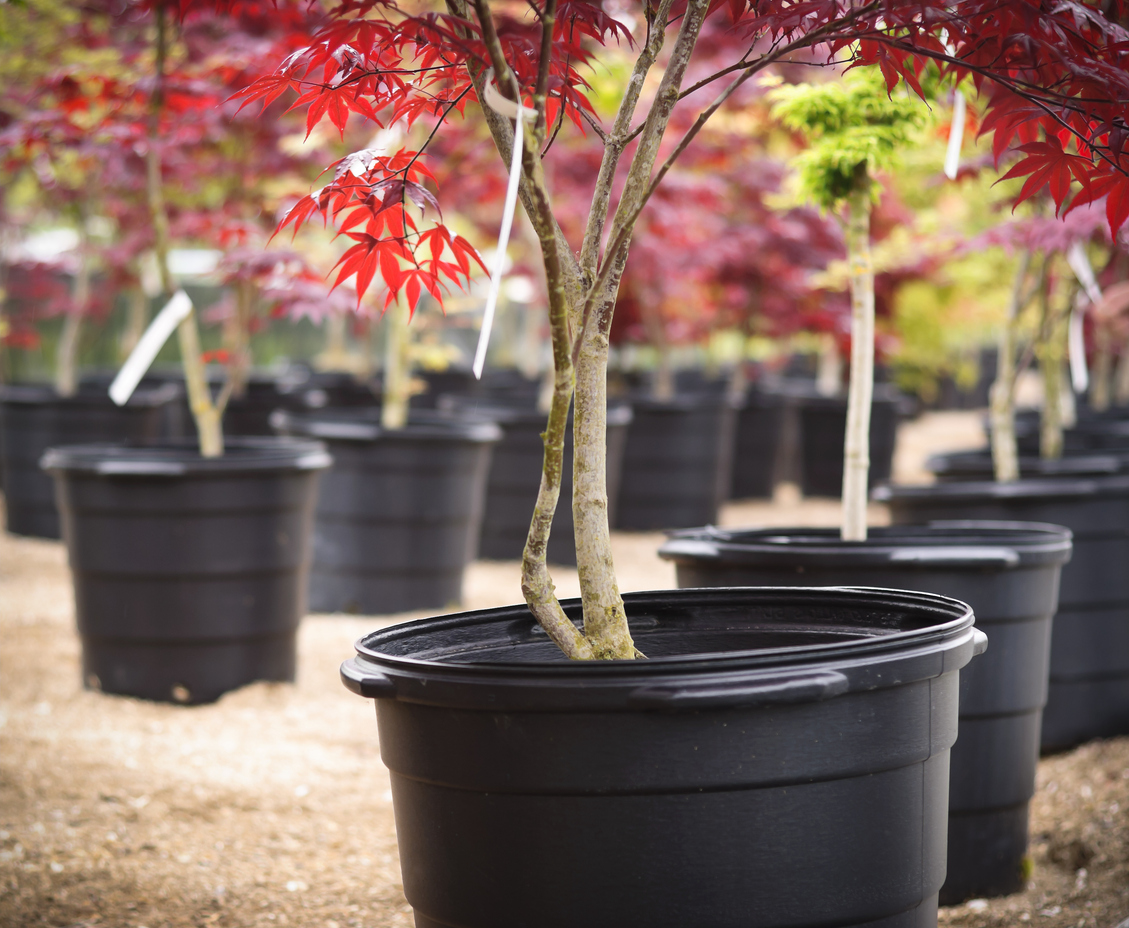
[
  {"x": 979, "y": 642},
  {"x": 371, "y": 684},
  {"x": 765, "y": 691}
]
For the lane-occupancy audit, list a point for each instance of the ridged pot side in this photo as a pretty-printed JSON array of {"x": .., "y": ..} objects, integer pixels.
[
  {"x": 399, "y": 513},
  {"x": 35, "y": 418},
  {"x": 1089, "y": 670},
  {"x": 189, "y": 573},
  {"x": 761, "y": 769},
  {"x": 677, "y": 462},
  {"x": 1009, "y": 574}
]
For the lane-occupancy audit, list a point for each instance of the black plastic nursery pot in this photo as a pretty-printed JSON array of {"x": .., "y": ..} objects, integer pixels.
[
  {"x": 677, "y": 462},
  {"x": 1088, "y": 695},
  {"x": 977, "y": 465},
  {"x": 33, "y": 418},
  {"x": 515, "y": 477},
  {"x": 1009, "y": 573},
  {"x": 756, "y": 445},
  {"x": 399, "y": 513},
  {"x": 823, "y": 428},
  {"x": 781, "y": 759},
  {"x": 189, "y": 573}
]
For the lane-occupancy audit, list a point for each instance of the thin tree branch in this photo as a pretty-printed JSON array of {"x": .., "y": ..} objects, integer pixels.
[{"x": 541, "y": 90}]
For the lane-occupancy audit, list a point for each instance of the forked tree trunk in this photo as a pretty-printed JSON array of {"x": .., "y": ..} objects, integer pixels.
[
  {"x": 397, "y": 369},
  {"x": 1005, "y": 453},
  {"x": 204, "y": 411},
  {"x": 860, "y": 393}
]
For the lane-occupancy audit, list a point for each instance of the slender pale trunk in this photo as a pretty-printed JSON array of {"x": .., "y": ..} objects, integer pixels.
[
  {"x": 856, "y": 451},
  {"x": 137, "y": 317},
  {"x": 829, "y": 375},
  {"x": 1050, "y": 353},
  {"x": 336, "y": 354},
  {"x": 237, "y": 339},
  {"x": 1101, "y": 380},
  {"x": 204, "y": 411},
  {"x": 397, "y": 369},
  {"x": 1005, "y": 452},
  {"x": 66, "y": 356},
  {"x": 662, "y": 388}
]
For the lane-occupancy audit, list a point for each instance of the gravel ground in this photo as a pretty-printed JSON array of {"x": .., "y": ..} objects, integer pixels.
[{"x": 271, "y": 807}]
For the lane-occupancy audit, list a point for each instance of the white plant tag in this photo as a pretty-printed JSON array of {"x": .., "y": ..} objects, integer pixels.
[
  {"x": 514, "y": 111},
  {"x": 163, "y": 325},
  {"x": 956, "y": 137},
  {"x": 1076, "y": 344},
  {"x": 1079, "y": 263}
]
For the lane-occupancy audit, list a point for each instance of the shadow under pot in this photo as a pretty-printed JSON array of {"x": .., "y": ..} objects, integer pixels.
[
  {"x": 1009, "y": 573},
  {"x": 34, "y": 418},
  {"x": 823, "y": 429},
  {"x": 1089, "y": 670},
  {"x": 515, "y": 477},
  {"x": 780, "y": 759},
  {"x": 399, "y": 512},
  {"x": 676, "y": 462},
  {"x": 189, "y": 573}
]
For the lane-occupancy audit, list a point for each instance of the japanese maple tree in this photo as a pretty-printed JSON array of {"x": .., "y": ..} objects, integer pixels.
[{"x": 1053, "y": 76}]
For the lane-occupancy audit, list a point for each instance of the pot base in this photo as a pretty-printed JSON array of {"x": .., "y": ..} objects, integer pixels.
[
  {"x": 186, "y": 672},
  {"x": 986, "y": 854}
]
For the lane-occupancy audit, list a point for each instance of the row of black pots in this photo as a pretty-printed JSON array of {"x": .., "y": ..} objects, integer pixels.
[
  {"x": 1009, "y": 573},
  {"x": 792, "y": 433}
]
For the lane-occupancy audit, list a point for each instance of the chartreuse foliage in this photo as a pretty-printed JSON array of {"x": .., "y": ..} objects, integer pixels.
[{"x": 854, "y": 127}]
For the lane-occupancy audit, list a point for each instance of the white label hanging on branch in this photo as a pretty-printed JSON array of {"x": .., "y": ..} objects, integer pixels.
[
  {"x": 175, "y": 311},
  {"x": 516, "y": 112},
  {"x": 956, "y": 136}
]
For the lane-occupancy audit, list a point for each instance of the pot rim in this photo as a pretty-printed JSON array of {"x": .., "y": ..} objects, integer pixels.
[
  {"x": 361, "y": 425},
  {"x": 43, "y": 394},
  {"x": 944, "y": 640},
  {"x": 1096, "y": 462},
  {"x": 1026, "y": 487},
  {"x": 937, "y": 545},
  {"x": 181, "y": 458}
]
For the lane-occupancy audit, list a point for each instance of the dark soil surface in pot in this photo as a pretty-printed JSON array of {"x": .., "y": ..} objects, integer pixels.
[
  {"x": 398, "y": 513},
  {"x": 35, "y": 418},
  {"x": 515, "y": 476},
  {"x": 1089, "y": 673},
  {"x": 1009, "y": 573},
  {"x": 677, "y": 462},
  {"x": 271, "y": 807},
  {"x": 735, "y": 778},
  {"x": 189, "y": 572}
]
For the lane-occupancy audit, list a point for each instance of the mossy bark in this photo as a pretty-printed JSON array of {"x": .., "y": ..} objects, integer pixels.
[{"x": 856, "y": 448}]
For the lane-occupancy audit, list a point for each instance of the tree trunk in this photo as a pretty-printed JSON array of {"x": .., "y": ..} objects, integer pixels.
[
  {"x": 829, "y": 375},
  {"x": 237, "y": 340},
  {"x": 1051, "y": 352},
  {"x": 1005, "y": 453},
  {"x": 397, "y": 369},
  {"x": 856, "y": 452},
  {"x": 137, "y": 318},
  {"x": 66, "y": 355},
  {"x": 1101, "y": 381},
  {"x": 204, "y": 412},
  {"x": 1121, "y": 386}
]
